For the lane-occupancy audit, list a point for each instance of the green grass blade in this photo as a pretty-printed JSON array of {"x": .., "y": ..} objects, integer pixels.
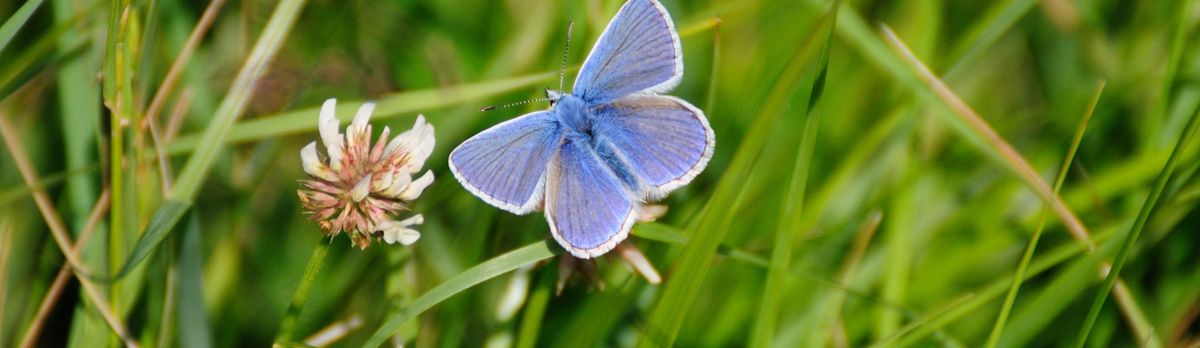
[
  {"x": 930, "y": 323},
  {"x": 80, "y": 113},
  {"x": 198, "y": 166},
  {"x": 193, "y": 321},
  {"x": 998, "y": 20},
  {"x": 30, "y": 61},
  {"x": 859, "y": 36},
  {"x": 489, "y": 269},
  {"x": 9, "y": 194},
  {"x": 1185, "y": 138},
  {"x": 1174, "y": 58},
  {"x": 1050, "y": 301},
  {"x": 535, "y": 311},
  {"x": 17, "y": 21},
  {"x": 954, "y": 304},
  {"x": 898, "y": 247},
  {"x": 301, "y": 295},
  {"x": 397, "y": 104},
  {"x": 668, "y": 313},
  {"x": 918, "y": 76},
  {"x": 403, "y": 103},
  {"x": 236, "y": 99},
  {"x": 790, "y": 217},
  {"x": 1023, "y": 265},
  {"x": 161, "y": 224},
  {"x": 118, "y": 99}
]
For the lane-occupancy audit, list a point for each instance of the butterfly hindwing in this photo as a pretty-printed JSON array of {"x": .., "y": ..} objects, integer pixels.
[
  {"x": 506, "y": 165},
  {"x": 664, "y": 140},
  {"x": 588, "y": 209},
  {"x": 639, "y": 51}
]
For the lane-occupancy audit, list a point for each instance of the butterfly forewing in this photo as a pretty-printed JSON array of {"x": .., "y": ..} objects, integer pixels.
[
  {"x": 588, "y": 209},
  {"x": 506, "y": 164},
  {"x": 638, "y": 52}
]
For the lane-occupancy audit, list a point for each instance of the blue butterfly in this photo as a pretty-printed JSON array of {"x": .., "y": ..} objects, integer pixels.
[{"x": 598, "y": 153}]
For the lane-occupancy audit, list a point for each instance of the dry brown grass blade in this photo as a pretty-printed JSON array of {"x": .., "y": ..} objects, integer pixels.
[
  {"x": 862, "y": 239},
  {"x": 1010, "y": 155},
  {"x": 1063, "y": 13},
  {"x": 64, "y": 273},
  {"x": 150, "y": 118},
  {"x": 59, "y": 230},
  {"x": 5, "y": 253},
  {"x": 185, "y": 54}
]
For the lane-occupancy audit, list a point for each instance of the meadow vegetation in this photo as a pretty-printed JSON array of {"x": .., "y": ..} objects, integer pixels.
[{"x": 890, "y": 173}]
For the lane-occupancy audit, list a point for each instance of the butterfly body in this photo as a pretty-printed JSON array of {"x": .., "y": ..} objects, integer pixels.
[
  {"x": 602, "y": 150},
  {"x": 574, "y": 115}
]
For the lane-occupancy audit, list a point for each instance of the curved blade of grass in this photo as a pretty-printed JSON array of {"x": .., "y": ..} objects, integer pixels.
[
  {"x": 473, "y": 276},
  {"x": 198, "y": 166},
  {"x": 790, "y": 219},
  {"x": 17, "y": 21},
  {"x": 1185, "y": 138},
  {"x": 1023, "y": 265},
  {"x": 389, "y": 106},
  {"x": 668, "y": 313},
  {"x": 393, "y": 105}
]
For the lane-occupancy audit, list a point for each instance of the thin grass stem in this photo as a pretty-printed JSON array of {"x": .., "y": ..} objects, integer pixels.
[
  {"x": 1023, "y": 265},
  {"x": 287, "y": 328},
  {"x": 1185, "y": 139},
  {"x": 64, "y": 273},
  {"x": 866, "y": 231},
  {"x": 181, "y": 60}
]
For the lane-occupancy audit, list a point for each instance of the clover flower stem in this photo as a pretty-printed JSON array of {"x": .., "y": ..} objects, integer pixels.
[{"x": 301, "y": 294}]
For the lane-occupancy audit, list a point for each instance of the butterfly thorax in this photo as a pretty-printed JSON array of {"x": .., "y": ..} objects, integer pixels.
[{"x": 574, "y": 115}]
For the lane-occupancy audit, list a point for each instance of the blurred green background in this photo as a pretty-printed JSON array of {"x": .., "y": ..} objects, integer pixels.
[{"x": 847, "y": 204}]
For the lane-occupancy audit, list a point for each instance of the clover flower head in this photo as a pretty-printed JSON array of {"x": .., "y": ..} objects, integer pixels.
[{"x": 358, "y": 187}]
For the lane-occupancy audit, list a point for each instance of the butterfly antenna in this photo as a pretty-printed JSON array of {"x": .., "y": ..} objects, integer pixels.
[
  {"x": 562, "y": 74},
  {"x": 523, "y": 102}
]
